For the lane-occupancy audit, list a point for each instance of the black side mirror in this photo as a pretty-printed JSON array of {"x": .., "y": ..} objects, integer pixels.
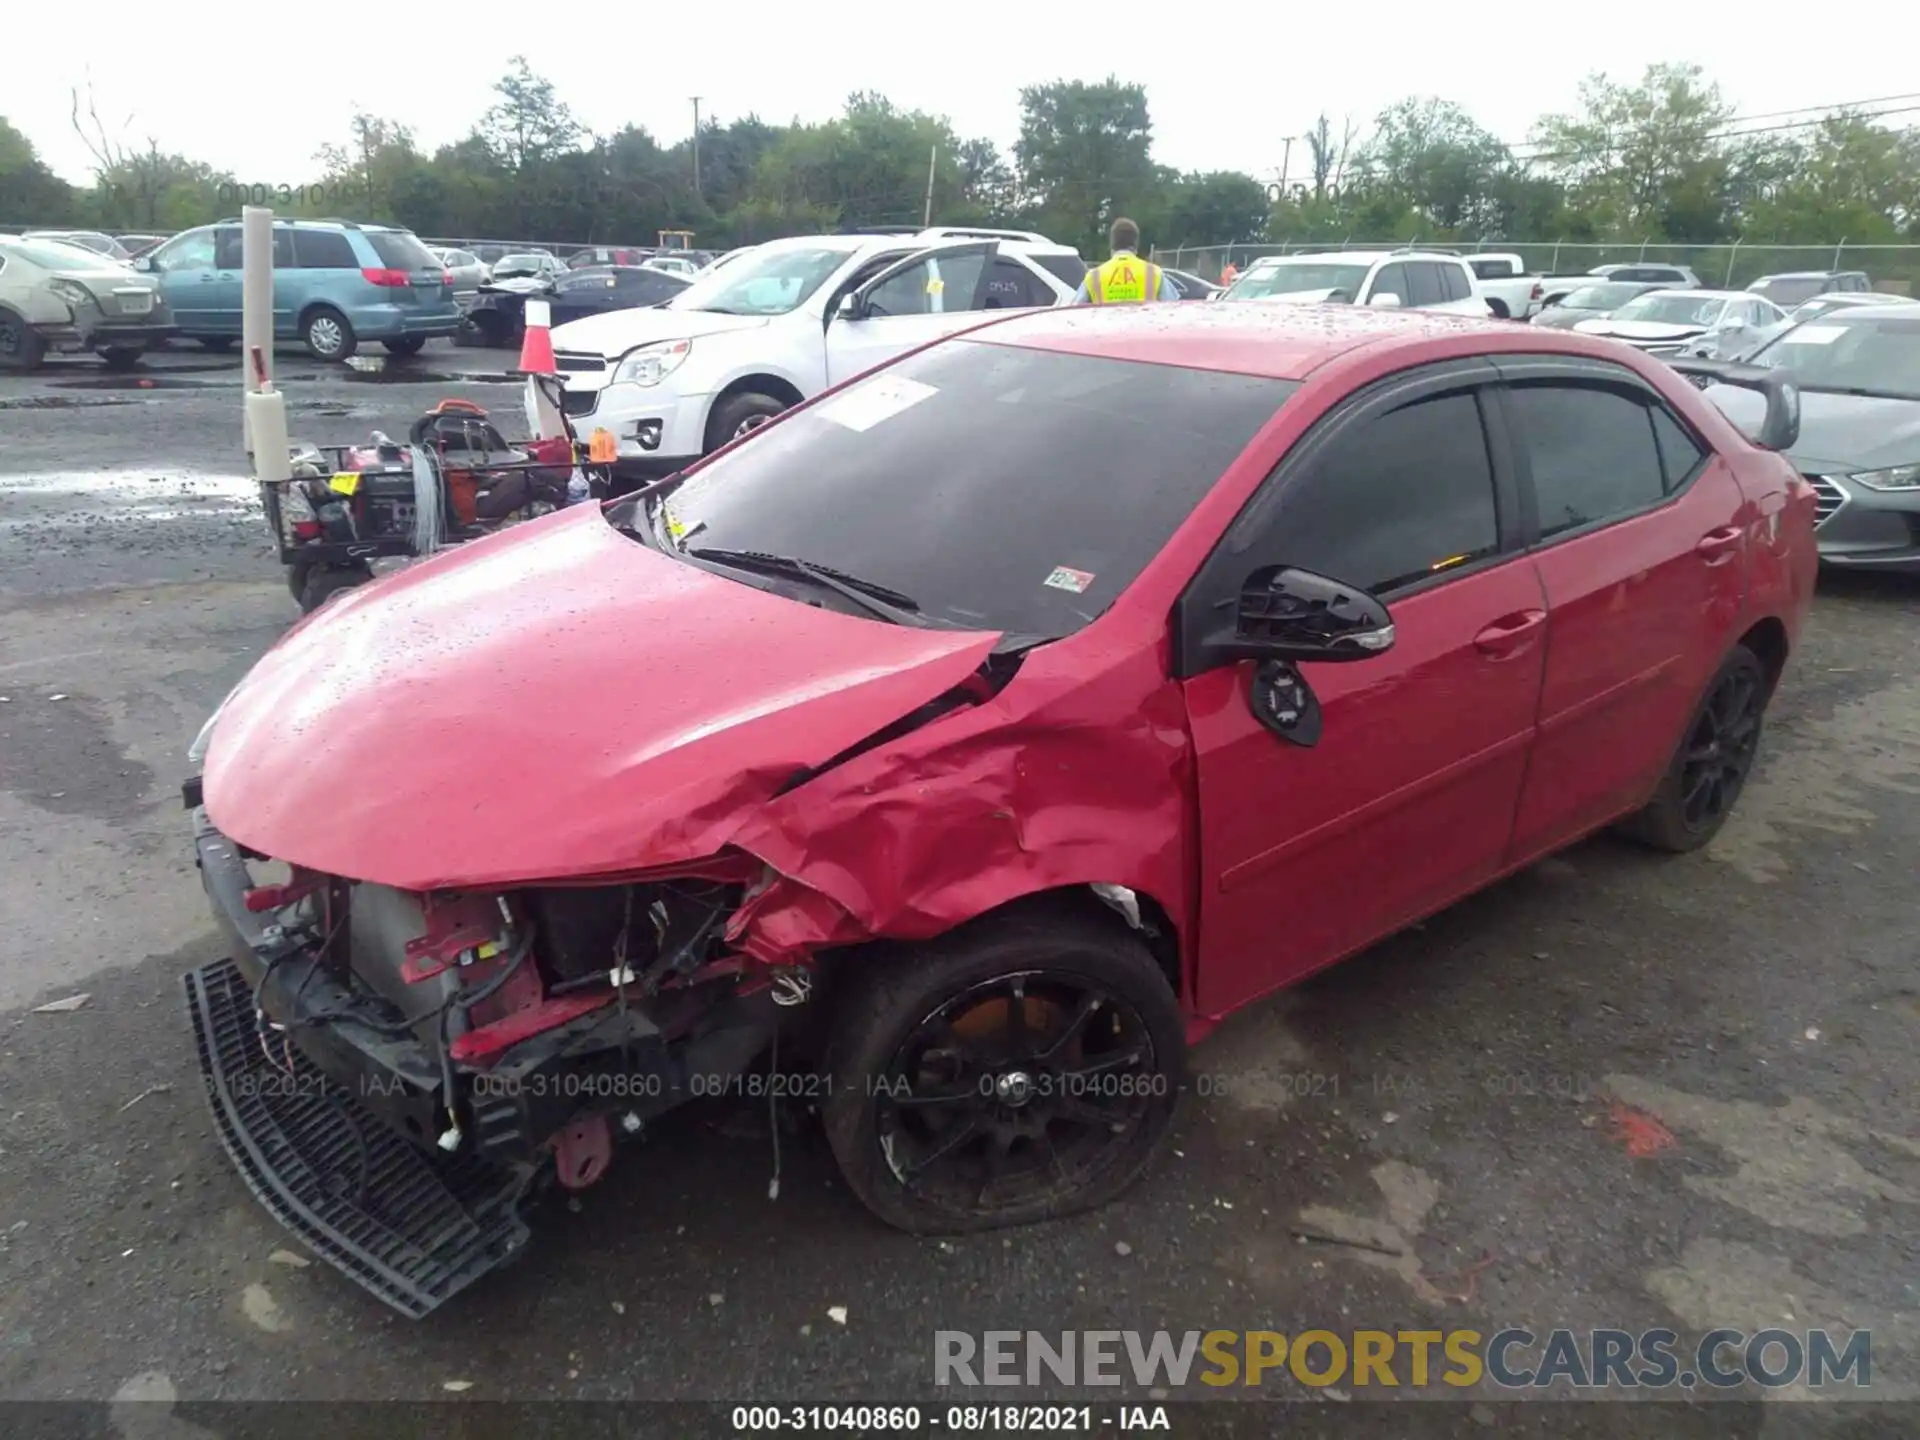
[
  {"x": 850, "y": 307},
  {"x": 1289, "y": 614}
]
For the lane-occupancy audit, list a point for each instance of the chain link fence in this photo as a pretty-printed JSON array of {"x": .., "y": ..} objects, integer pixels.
[{"x": 1893, "y": 268}]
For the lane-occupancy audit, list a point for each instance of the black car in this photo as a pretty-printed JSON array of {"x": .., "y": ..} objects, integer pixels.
[
  {"x": 1858, "y": 372},
  {"x": 499, "y": 316},
  {"x": 1191, "y": 286}
]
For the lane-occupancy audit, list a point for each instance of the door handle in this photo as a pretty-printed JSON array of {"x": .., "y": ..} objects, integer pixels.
[
  {"x": 1717, "y": 546},
  {"x": 1505, "y": 635}
]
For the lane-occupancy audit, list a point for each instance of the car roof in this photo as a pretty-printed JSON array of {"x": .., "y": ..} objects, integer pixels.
[
  {"x": 1896, "y": 311},
  {"x": 1806, "y": 275},
  {"x": 1355, "y": 257},
  {"x": 1277, "y": 342},
  {"x": 1698, "y": 293}
]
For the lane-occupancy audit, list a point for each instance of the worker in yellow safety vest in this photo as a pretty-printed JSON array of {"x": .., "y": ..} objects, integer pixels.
[{"x": 1126, "y": 279}]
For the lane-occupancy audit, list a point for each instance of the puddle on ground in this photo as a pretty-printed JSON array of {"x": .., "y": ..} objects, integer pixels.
[
  {"x": 161, "y": 381},
  {"x": 131, "y": 495},
  {"x": 406, "y": 372},
  {"x": 62, "y": 402}
]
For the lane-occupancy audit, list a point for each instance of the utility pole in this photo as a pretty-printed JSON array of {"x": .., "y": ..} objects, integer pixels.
[
  {"x": 696, "y": 148},
  {"x": 1286, "y": 166},
  {"x": 933, "y": 159}
]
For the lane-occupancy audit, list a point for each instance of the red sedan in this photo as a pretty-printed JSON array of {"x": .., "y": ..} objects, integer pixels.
[{"x": 957, "y": 749}]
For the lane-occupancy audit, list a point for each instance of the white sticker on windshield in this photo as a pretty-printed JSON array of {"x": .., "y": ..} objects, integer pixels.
[
  {"x": 1063, "y": 578},
  {"x": 872, "y": 401},
  {"x": 1818, "y": 334}
]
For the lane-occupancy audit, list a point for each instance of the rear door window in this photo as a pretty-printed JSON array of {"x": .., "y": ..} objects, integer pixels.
[
  {"x": 323, "y": 250},
  {"x": 226, "y": 248},
  {"x": 1011, "y": 286},
  {"x": 1391, "y": 280},
  {"x": 1592, "y": 450}
]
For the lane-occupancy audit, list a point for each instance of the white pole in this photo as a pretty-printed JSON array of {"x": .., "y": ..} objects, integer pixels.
[
  {"x": 256, "y": 305},
  {"x": 933, "y": 159}
]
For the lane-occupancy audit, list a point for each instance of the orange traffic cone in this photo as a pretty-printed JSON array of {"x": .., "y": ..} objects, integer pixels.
[{"x": 536, "y": 351}]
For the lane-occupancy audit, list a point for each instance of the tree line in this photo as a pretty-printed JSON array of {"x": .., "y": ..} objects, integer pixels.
[{"x": 1664, "y": 158}]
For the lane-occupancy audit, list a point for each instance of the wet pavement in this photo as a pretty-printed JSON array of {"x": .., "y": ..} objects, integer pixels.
[{"x": 1620, "y": 1090}]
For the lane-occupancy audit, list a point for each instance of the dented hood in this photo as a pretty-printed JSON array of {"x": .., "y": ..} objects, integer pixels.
[{"x": 554, "y": 702}]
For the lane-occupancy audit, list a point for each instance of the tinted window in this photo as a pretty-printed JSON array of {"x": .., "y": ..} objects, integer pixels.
[
  {"x": 399, "y": 250},
  {"x": 1395, "y": 500},
  {"x": 323, "y": 250},
  {"x": 226, "y": 248},
  {"x": 1002, "y": 488},
  {"x": 1424, "y": 286},
  {"x": 1392, "y": 280},
  {"x": 1680, "y": 453},
  {"x": 648, "y": 287},
  {"x": 1494, "y": 269},
  {"x": 1069, "y": 268},
  {"x": 282, "y": 248},
  {"x": 1010, "y": 285},
  {"x": 1592, "y": 451},
  {"x": 1453, "y": 283}
]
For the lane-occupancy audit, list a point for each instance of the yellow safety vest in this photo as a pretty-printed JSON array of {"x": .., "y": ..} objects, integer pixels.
[{"x": 1126, "y": 279}]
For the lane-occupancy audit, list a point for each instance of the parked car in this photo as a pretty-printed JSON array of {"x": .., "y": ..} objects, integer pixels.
[
  {"x": 61, "y": 298},
  {"x": 1672, "y": 277},
  {"x": 138, "y": 245},
  {"x": 727, "y": 259},
  {"x": 527, "y": 265},
  {"x": 1680, "y": 322},
  {"x": 1416, "y": 280},
  {"x": 1858, "y": 373},
  {"x": 673, "y": 264},
  {"x": 1791, "y": 288},
  {"x": 467, "y": 270},
  {"x": 499, "y": 315},
  {"x": 1512, "y": 291},
  {"x": 1810, "y": 310},
  {"x": 93, "y": 240},
  {"x": 781, "y": 323},
  {"x": 1592, "y": 301},
  {"x": 606, "y": 255},
  {"x": 335, "y": 285},
  {"x": 992, "y": 725},
  {"x": 1192, "y": 286}
]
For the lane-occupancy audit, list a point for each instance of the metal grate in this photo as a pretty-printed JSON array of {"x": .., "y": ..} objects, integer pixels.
[
  {"x": 579, "y": 402},
  {"x": 1828, "y": 498},
  {"x": 575, "y": 363},
  {"x": 412, "y": 1230}
]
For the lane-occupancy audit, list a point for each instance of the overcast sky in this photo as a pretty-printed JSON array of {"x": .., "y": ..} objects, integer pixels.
[{"x": 1227, "y": 100}]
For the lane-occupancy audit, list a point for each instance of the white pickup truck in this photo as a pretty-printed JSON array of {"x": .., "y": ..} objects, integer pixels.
[{"x": 1512, "y": 291}]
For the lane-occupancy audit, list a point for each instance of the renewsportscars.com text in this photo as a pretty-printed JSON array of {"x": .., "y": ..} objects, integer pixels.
[{"x": 1513, "y": 1359}]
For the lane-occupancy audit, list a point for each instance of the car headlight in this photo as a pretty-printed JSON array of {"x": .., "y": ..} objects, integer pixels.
[
  {"x": 650, "y": 364},
  {"x": 73, "y": 294},
  {"x": 197, "y": 751},
  {"x": 1894, "y": 477}
]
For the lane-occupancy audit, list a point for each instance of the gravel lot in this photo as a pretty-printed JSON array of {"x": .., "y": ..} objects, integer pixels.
[{"x": 1452, "y": 1092}]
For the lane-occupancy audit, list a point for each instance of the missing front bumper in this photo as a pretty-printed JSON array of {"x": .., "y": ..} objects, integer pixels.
[{"x": 413, "y": 1230}]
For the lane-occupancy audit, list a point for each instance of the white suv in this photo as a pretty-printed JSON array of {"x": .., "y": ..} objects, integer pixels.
[
  {"x": 784, "y": 321},
  {"x": 1398, "y": 279}
]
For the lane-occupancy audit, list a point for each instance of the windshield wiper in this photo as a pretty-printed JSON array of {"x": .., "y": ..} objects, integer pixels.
[{"x": 887, "y": 603}]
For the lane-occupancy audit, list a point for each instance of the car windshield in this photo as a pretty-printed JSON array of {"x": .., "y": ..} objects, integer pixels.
[
  {"x": 772, "y": 281},
  {"x": 1000, "y": 488},
  {"x": 1601, "y": 297},
  {"x": 519, "y": 265},
  {"x": 60, "y": 256},
  {"x": 1672, "y": 309},
  {"x": 1847, "y": 350},
  {"x": 1298, "y": 277}
]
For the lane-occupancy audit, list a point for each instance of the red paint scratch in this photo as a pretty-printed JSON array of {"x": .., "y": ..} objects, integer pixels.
[{"x": 1639, "y": 1132}]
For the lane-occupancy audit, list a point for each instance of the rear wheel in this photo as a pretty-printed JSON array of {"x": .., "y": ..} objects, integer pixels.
[
  {"x": 216, "y": 343},
  {"x": 1024, "y": 1067},
  {"x": 1499, "y": 309},
  {"x": 406, "y": 344},
  {"x": 122, "y": 357},
  {"x": 739, "y": 415},
  {"x": 1715, "y": 757},
  {"x": 328, "y": 335},
  {"x": 21, "y": 347}
]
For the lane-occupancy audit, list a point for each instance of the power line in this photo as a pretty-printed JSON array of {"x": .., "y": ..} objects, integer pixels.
[{"x": 1837, "y": 112}]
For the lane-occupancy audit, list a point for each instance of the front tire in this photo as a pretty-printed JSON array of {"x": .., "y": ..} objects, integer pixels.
[
  {"x": 405, "y": 345},
  {"x": 321, "y": 583},
  {"x": 219, "y": 344},
  {"x": 1024, "y": 1067},
  {"x": 21, "y": 348},
  {"x": 328, "y": 335},
  {"x": 1711, "y": 765},
  {"x": 738, "y": 415}
]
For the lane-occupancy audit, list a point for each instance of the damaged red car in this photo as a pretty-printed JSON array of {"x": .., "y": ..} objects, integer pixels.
[{"x": 961, "y": 746}]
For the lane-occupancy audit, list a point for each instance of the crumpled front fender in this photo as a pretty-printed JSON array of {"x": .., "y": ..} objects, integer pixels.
[{"x": 1063, "y": 779}]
